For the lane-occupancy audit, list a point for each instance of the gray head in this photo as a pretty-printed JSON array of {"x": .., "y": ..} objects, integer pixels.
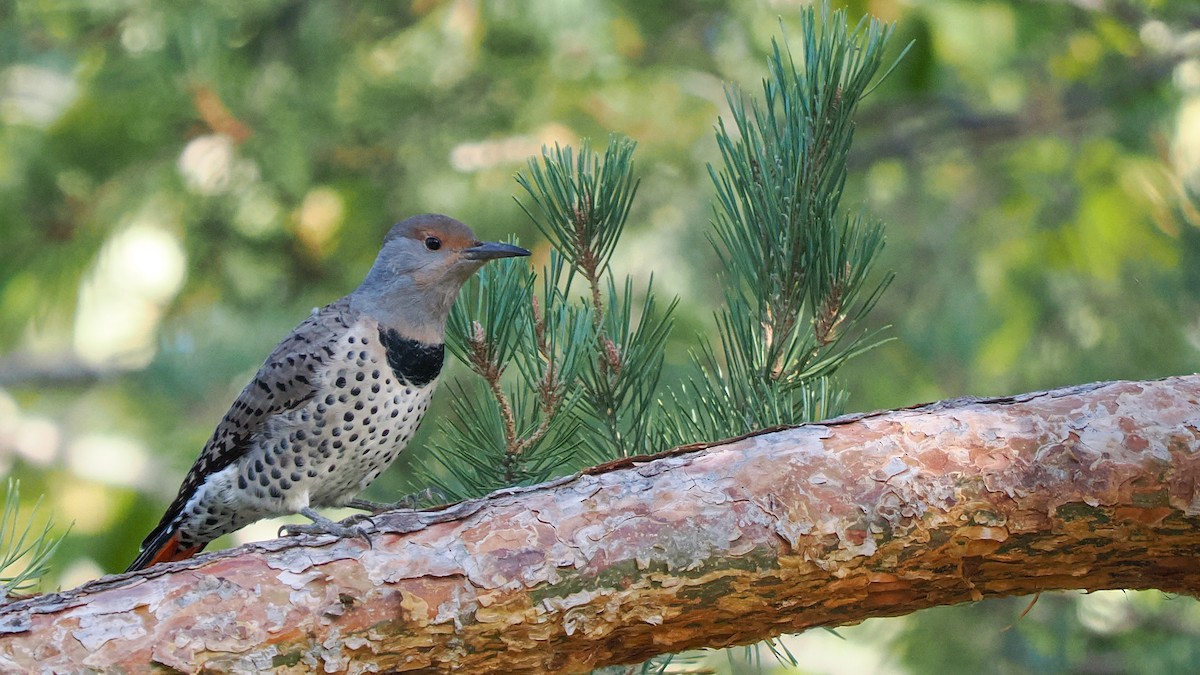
[{"x": 424, "y": 262}]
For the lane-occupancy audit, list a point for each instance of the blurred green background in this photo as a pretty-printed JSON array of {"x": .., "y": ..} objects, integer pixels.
[{"x": 181, "y": 182}]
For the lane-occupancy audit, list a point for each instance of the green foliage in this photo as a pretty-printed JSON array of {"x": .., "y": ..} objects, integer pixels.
[
  {"x": 24, "y": 553},
  {"x": 586, "y": 371},
  {"x": 621, "y": 383},
  {"x": 581, "y": 203},
  {"x": 510, "y": 430}
]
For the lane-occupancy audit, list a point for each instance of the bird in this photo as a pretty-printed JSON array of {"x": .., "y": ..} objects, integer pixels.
[{"x": 335, "y": 402}]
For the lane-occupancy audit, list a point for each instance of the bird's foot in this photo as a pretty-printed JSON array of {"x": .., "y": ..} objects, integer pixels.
[
  {"x": 407, "y": 502},
  {"x": 322, "y": 525}
]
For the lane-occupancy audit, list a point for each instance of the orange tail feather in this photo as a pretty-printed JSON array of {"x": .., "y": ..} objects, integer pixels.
[{"x": 166, "y": 550}]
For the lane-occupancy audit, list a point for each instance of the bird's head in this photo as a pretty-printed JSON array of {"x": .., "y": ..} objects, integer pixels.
[{"x": 423, "y": 264}]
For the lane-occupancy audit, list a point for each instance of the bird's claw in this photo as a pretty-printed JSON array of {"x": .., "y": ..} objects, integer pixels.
[{"x": 340, "y": 530}]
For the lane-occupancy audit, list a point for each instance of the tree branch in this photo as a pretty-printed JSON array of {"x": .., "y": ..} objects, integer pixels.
[{"x": 1090, "y": 487}]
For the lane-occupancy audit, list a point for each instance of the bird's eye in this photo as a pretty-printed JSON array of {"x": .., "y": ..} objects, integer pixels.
[{"x": 433, "y": 243}]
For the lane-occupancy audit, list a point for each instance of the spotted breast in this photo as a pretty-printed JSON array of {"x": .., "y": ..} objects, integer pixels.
[{"x": 374, "y": 388}]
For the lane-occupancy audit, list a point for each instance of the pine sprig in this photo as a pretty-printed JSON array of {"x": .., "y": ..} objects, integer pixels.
[
  {"x": 484, "y": 327},
  {"x": 24, "y": 553},
  {"x": 587, "y": 354},
  {"x": 797, "y": 270},
  {"x": 507, "y": 425},
  {"x": 561, "y": 334},
  {"x": 581, "y": 203},
  {"x": 620, "y": 386}
]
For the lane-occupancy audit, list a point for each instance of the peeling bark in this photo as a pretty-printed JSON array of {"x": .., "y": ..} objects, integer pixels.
[{"x": 1089, "y": 487}]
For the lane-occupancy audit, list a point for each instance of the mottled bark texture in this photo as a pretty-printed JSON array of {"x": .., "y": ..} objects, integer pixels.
[{"x": 870, "y": 515}]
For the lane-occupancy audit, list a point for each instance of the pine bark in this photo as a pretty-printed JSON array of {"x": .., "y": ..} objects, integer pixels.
[{"x": 1088, "y": 487}]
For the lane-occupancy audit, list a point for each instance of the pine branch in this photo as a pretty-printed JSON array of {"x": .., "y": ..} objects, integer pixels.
[{"x": 877, "y": 514}]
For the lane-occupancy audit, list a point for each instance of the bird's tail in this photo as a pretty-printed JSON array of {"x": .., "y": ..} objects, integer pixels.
[{"x": 162, "y": 546}]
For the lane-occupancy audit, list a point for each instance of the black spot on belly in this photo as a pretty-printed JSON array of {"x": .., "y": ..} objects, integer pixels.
[{"x": 412, "y": 361}]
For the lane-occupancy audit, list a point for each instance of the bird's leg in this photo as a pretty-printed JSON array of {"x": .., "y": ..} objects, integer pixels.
[
  {"x": 322, "y": 525},
  {"x": 404, "y": 503}
]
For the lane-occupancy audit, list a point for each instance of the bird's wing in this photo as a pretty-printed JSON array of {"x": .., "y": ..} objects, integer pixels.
[{"x": 286, "y": 381}]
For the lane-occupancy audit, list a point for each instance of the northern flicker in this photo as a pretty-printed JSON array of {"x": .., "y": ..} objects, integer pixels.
[{"x": 336, "y": 401}]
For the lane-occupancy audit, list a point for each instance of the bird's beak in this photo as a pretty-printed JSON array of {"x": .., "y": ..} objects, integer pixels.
[{"x": 490, "y": 250}]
